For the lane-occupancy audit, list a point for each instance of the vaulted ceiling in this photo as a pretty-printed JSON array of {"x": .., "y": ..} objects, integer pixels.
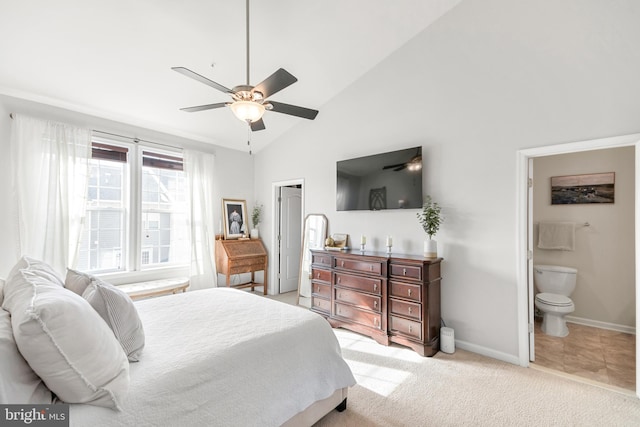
[{"x": 113, "y": 58}]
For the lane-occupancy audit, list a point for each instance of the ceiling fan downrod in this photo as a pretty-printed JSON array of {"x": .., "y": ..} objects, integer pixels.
[{"x": 247, "y": 23}]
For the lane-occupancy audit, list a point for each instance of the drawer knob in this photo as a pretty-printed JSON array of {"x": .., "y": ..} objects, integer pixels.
[
  {"x": 409, "y": 292},
  {"x": 317, "y": 275},
  {"x": 338, "y": 280},
  {"x": 404, "y": 271},
  {"x": 375, "y": 286},
  {"x": 317, "y": 289},
  {"x": 371, "y": 268},
  {"x": 375, "y": 304},
  {"x": 409, "y": 310},
  {"x": 410, "y": 328},
  {"x": 342, "y": 263},
  {"x": 375, "y": 321}
]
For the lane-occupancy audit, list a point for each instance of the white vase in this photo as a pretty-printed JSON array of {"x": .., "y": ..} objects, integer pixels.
[
  {"x": 430, "y": 248},
  {"x": 254, "y": 233}
]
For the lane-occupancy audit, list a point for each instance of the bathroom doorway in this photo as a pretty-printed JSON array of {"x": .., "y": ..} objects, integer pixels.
[
  {"x": 601, "y": 342},
  {"x": 579, "y": 333}
]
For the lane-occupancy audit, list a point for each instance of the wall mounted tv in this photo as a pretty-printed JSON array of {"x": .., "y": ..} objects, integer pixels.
[{"x": 390, "y": 180}]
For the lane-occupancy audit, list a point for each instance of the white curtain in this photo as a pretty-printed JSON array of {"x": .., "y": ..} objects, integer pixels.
[
  {"x": 50, "y": 172},
  {"x": 200, "y": 176}
]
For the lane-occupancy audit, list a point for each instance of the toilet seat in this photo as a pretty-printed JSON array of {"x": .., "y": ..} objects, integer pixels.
[{"x": 554, "y": 300}]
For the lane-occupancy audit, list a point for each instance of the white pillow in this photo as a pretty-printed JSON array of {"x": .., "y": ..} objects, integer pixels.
[
  {"x": 64, "y": 340},
  {"x": 18, "y": 383},
  {"x": 117, "y": 309},
  {"x": 77, "y": 281}
]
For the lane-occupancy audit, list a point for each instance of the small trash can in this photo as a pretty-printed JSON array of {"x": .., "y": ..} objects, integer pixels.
[{"x": 447, "y": 340}]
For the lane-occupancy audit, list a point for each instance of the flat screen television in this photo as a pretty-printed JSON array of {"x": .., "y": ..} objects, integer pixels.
[{"x": 390, "y": 180}]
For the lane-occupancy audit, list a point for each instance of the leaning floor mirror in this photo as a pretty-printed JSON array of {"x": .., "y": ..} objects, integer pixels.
[{"x": 314, "y": 235}]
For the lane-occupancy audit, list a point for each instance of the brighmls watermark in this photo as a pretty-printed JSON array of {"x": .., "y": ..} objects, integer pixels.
[{"x": 35, "y": 415}]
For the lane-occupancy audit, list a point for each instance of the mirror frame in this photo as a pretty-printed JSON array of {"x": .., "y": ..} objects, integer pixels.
[{"x": 305, "y": 255}]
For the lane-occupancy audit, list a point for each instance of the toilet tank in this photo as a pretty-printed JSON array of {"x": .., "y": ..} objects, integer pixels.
[{"x": 555, "y": 279}]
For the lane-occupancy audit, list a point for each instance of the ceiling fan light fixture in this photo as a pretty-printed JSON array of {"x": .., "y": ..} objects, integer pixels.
[{"x": 247, "y": 111}]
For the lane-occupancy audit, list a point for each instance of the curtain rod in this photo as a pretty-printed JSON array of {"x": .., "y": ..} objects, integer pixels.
[
  {"x": 137, "y": 140},
  {"x": 134, "y": 139}
]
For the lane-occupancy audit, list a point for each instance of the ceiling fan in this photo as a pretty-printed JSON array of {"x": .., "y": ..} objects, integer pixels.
[
  {"x": 415, "y": 163},
  {"x": 250, "y": 102}
]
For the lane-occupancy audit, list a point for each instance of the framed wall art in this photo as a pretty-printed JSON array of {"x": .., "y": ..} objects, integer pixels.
[
  {"x": 235, "y": 218},
  {"x": 580, "y": 189}
]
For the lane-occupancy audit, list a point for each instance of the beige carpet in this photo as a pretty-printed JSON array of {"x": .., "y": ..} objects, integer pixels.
[{"x": 396, "y": 387}]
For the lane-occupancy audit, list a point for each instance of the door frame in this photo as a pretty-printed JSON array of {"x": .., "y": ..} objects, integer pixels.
[
  {"x": 274, "y": 267},
  {"x": 524, "y": 225}
]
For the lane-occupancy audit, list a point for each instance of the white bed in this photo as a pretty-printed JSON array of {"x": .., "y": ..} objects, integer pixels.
[{"x": 224, "y": 357}]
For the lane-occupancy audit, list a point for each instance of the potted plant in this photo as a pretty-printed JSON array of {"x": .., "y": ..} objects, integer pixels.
[
  {"x": 430, "y": 218},
  {"x": 256, "y": 218}
]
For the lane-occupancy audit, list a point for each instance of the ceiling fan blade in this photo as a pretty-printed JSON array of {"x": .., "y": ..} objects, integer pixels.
[
  {"x": 257, "y": 125},
  {"x": 399, "y": 165},
  {"x": 275, "y": 83},
  {"x": 293, "y": 110},
  {"x": 202, "y": 79},
  {"x": 204, "y": 107}
]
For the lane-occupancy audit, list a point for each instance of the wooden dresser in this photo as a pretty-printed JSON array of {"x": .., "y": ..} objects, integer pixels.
[
  {"x": 242, "y": 256},
  {"x": 389, "y": 298}
]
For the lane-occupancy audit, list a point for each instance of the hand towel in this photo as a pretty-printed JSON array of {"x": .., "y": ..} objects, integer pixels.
[{"x": 557, "y": 235}]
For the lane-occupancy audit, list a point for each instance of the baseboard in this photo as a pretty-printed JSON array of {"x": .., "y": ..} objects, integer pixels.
[
  {"x": 485, "y": 351},
  {"x": 602, "y": 325}
]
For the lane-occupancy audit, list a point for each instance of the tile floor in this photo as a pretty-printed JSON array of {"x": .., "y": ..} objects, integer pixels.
[{"x": 600, "y": 355}]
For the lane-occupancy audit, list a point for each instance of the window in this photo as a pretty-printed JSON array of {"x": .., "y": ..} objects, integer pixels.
[
  {"x": 133, "y": 227},
  {"x": 165, "y": 228}
]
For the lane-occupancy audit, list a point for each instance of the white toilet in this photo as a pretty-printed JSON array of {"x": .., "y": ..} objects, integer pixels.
[{"x": 555, "y": 284}]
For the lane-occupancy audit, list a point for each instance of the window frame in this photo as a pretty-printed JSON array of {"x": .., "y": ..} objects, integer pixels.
[{"x": 133, "y": 269}]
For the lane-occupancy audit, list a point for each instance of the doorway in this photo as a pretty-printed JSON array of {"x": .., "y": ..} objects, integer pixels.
[
  {"x": 524, "y": 226},
  {"x": 287, "y": 235}
]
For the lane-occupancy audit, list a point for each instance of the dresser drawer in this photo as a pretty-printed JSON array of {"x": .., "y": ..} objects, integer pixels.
[
  {"x": 369, "y": 267},
  {"x": 321, "y": 275},
  {"x": 321, "y": 259},
  {"x": 366, "y": 284},
  {"x": 405, "y": 290},
  {"x": 405, "y": 308},
  {"x": 353, "y": 314},
  {"x": 407, "y": 271},
  {"x": 403, "y": 326},
  {"x": 321, "y": 289},
  {"x": 360, "y": 300},
  {"x": 320, "y": 304}
]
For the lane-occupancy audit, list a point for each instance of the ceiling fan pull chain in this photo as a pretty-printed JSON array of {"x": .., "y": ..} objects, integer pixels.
[{"x": 249, "y": 136}]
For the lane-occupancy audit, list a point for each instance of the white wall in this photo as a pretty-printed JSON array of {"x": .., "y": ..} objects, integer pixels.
[
  {"x": 234, "y": 169},
  {"x": 605, "y": 250},
  {"x": 487, "y": 79}
]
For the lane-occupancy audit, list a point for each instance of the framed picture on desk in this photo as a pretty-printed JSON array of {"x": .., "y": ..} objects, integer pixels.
[{"x": 235, "y": 217}]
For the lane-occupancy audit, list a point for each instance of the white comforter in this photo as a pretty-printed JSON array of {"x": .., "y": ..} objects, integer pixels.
[{"x": 223, "y": 357}]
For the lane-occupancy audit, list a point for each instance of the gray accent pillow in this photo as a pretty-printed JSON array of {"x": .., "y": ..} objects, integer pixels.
[
  {"x": 118, "y": 310},
  {"x": 77, "y": 281}
]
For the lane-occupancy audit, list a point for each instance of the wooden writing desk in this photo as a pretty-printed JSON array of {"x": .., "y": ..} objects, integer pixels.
[{"x": 242, "y": 256}]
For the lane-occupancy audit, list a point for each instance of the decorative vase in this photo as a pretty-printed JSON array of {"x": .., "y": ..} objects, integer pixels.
[
  {"x": 254, "y": 233},
  {"x": 430, "y": 248}
]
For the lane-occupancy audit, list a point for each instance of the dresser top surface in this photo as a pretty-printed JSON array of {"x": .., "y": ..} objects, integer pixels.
[{"x": 393, "y": 257}]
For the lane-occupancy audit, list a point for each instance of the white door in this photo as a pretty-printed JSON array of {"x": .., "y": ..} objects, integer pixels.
[
  {"x": 532, "y": 343},
  {"x": 290, "y": 237}
]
